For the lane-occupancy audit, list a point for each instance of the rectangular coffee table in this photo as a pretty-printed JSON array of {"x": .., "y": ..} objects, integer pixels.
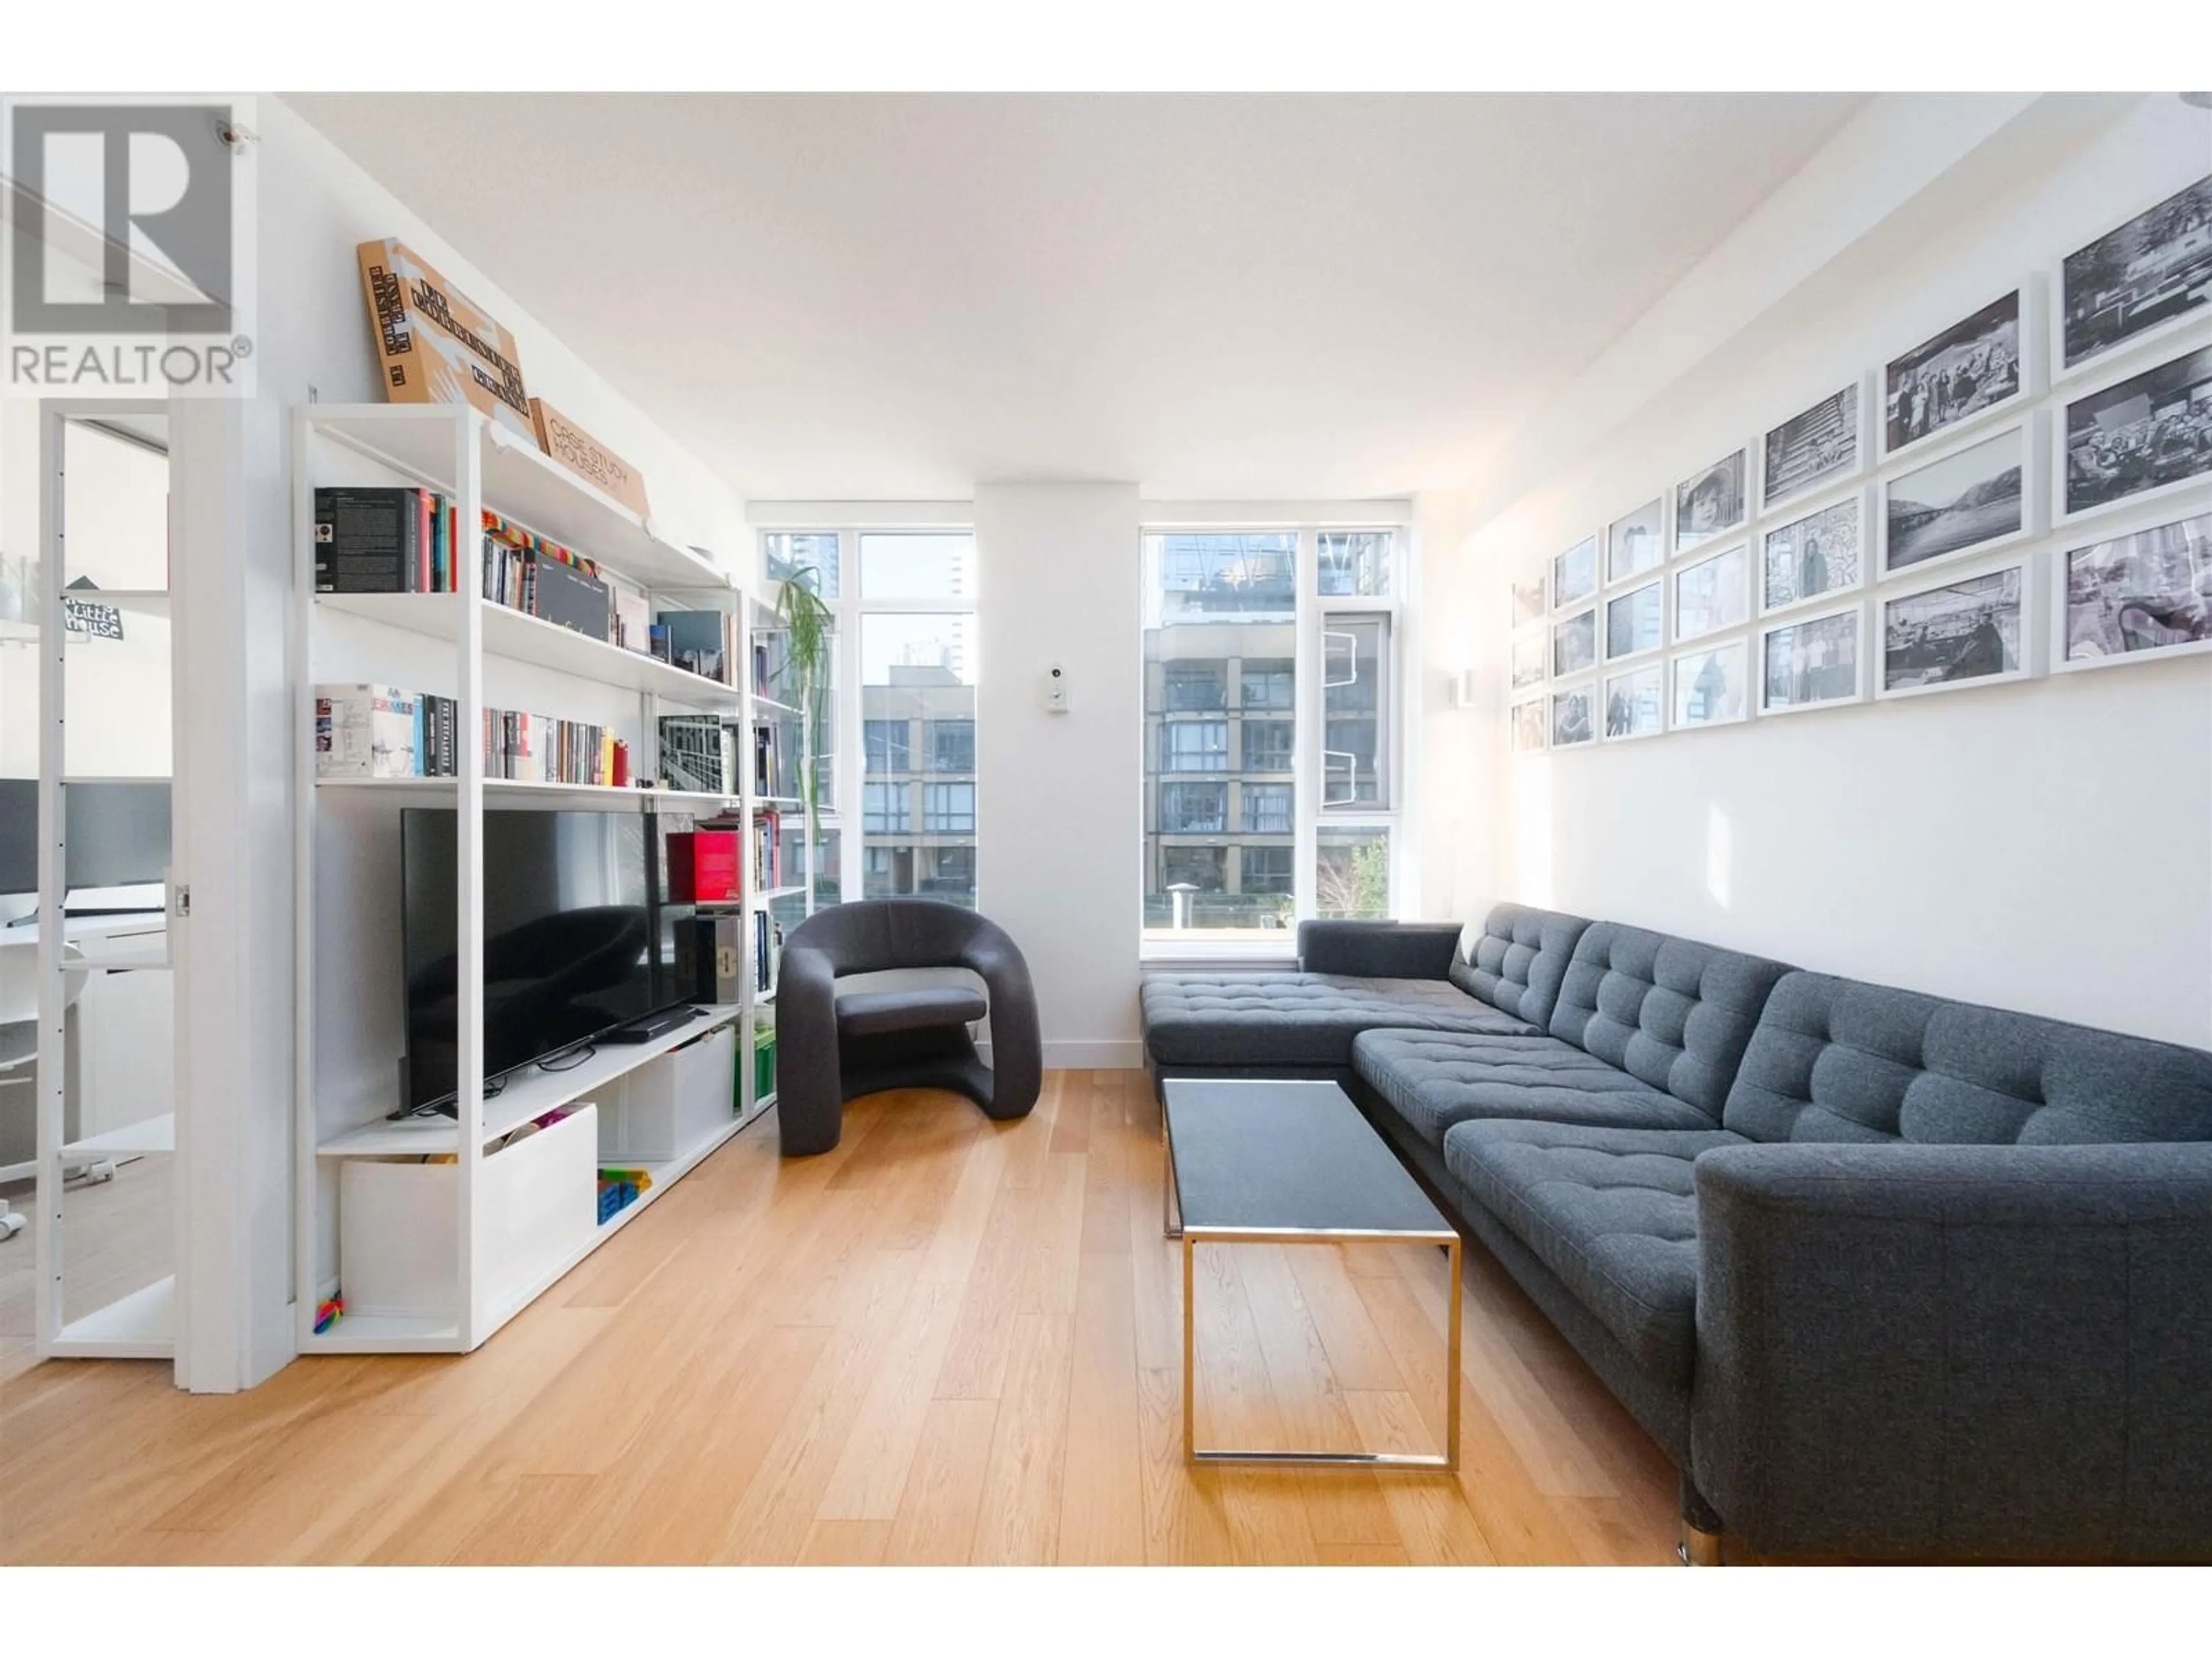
[{"x": 1271, "y": 1162}]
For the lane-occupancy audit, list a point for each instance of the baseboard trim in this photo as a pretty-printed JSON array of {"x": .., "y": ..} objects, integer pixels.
[{"x": 1119, "y": 1054}]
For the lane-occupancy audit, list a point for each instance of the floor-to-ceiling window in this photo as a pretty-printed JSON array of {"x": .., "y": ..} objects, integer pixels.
[
  {"x": 904, "y": 603},
  {"x": 1271, "y": 729}
]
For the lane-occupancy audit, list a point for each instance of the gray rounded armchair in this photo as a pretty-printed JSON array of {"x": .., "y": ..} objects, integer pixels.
[{"x": 832, "y": 1049}]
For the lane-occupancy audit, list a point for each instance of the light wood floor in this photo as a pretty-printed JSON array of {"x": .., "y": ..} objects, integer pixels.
[{"x": 949, "y": 1340}]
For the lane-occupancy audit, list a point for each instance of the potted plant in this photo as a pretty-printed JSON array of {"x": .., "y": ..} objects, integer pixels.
[{"x": 807, "y": 626}]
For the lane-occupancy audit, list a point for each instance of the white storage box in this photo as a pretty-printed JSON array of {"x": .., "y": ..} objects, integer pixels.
[
  {"x": 398, "y": 1223},
  {"x": 670, "y": 1106}
]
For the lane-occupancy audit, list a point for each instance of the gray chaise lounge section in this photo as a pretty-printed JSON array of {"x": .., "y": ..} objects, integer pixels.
[{"x": 1884, "y": 1275}]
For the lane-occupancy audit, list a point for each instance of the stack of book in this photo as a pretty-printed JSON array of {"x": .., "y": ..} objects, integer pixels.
[
  {"x": 768, "y": 952},
  {"x": 771, "y": 777},
  {"x": 768, "y": 850},
  {"x": 385, "y": 541},
  {"x": 386, "y": 732},
  {"x": 527, "y": 572}
]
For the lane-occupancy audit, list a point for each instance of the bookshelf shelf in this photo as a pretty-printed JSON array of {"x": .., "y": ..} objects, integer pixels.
[
  {"x": 770, "y": 894},
  {"x": 527, "y": 1095},
  {"x": 768, "y": 709},
  {"x": 520, "y": 483},
  {"x": 524, "y": 638},
  {"x": 524, "y": 787}
]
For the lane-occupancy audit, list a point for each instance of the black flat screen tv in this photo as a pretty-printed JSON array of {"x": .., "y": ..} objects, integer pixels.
[{"x": 576, "y": 939}]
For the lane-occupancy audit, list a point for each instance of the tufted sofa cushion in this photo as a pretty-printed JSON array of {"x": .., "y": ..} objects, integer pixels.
[
  {"x": 1297, "y": 1019},
  {"x": 1675, "y": 1013},
  {"x": 1612, "y": 1212},
  {"x": 1838, "y": 1060},
  {"x": 1434, "y": 1079},
  {"x": 1516, "y": 958}
]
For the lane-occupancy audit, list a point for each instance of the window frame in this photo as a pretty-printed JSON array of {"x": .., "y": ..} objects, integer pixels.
[{"x": 1313, "y": 612}]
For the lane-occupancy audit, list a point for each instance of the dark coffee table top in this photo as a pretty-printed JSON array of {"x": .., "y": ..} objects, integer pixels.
[{"x": 1270, "y": 1155}]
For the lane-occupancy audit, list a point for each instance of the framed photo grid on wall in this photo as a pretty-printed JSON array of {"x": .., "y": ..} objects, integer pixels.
[{"x": 1887, "y": 540}]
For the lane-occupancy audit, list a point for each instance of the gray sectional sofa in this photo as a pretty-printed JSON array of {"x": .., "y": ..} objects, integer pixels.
[{"x": 1886, "y": 1275}]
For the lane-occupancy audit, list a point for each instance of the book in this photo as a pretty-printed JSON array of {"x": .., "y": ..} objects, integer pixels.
[
  {"x": 699, "y": 640},
  {"x": 367, "y": 731},
  {"x": 703, "y": 868},
  {"x": 699, "y": 752},
  {"x": 367, "y": 541}
]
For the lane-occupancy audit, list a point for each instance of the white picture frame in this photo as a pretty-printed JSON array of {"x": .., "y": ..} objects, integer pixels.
[
  {"x": 1689, "y": 703},
  {"x": 1562, "y": 631},
  {"x": 1519, "y": 598},
  {"x": 1894, "y": 607},
  {"x": 1713, "y": 481},
  {"x": 1977, "y": 328},
  {"x": 1733, "y": 616},
  {"x": 1534, "y": 642},
  {"x": 1564, "y": 702},
  {"x": 2108, "y": 353},
  {"x": 1797, "y": 626},
  {"x": 1856, "y": 436},
  {"x": 1656, "y": 590},
  {"x": 2191, "y": 380},
  {"x": 2191, "y": 543},
  {"x": 1941, "y": 470},
  {"x": 1639, "y": 530},
  {"x": 1529, "y": 730},
  {"x": 1642, "y": 678},
  {"x": 1568, "y": 589},
  {"x": 1839, "y": 536}
]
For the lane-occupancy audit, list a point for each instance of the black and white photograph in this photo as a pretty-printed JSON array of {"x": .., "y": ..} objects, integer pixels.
[
  {"x": 1635, "y": 704},
  {"x": 1527, "y": 658},
  {"x": 1806, "y": 664},
  {"x": 1573, "y": 573},
  {"x": 2149, "y": 272},
  {"x": 2149, "y": 432},
  {"x": 1712, "y": 594},
  {"x": 1528, "y": 600},
  {"x": 1972, "y": 366},
  {"x": 1574, "y": 716},
  {"x": 1574, "y": 644},
  {"x": 1973, "y": 497},
  {"x": 1813, "y": 447},
  {"x": 1712, "y": 688},
  {"x": 1632, "y": 543},
  {"x": 1820, "y": 553},
  {"x": 1970, "y": 631},
  {"x": 2140, "y": 594},
  {"x": 1717, "y": 501},
  {"x": 1634, "y": 621},
  {"x": 1529, "y": 728}
]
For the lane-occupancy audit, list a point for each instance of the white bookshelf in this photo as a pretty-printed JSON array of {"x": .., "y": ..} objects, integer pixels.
[{"x": 348, "y": 1018}]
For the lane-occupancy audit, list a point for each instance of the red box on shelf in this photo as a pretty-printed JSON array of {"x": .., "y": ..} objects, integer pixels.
[{"x": 704, "y": 867}]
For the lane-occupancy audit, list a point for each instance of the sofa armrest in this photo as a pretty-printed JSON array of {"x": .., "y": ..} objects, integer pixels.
[
  {"x": 1379, "y": 949},
  {"x": 1956, "y": 1351}
]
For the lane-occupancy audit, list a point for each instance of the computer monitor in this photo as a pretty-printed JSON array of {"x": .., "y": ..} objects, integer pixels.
[
  {"x": 19, "y": 835},
  {"x": 118, "y": 834}
]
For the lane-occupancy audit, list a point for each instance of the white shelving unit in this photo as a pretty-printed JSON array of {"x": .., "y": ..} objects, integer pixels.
[{"x": 349, "y": 1037}]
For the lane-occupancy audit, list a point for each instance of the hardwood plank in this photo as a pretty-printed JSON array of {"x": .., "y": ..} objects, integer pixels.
[
  {"x": 845, "y": 1544},
  {"x": 1101, "y": 1513},
  {"x": 936, "y": 1521},
  {"x": 1019, "y": 1523},
  {"x": 1433, "y": 1523}
]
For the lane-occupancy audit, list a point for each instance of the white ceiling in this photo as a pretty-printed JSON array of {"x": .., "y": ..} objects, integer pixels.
[{"x": 1231, "y": 297}]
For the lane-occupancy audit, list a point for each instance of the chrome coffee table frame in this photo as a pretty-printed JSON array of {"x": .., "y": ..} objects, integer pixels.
[{"x": 1173, "y": 1225}]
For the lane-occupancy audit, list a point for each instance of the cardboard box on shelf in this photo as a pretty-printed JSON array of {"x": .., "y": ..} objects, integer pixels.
[{"x": 433, "y": 344}]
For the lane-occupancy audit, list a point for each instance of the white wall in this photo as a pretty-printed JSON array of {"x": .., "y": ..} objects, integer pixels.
[
  {"x": 2044, "y": 846},
  {"x": 314, "y": 207},
  {"x": 1060, "y": 796}
]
